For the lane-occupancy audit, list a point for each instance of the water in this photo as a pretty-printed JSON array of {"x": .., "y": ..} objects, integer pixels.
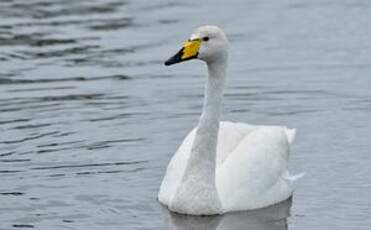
[{"x": 89, "y": 116}]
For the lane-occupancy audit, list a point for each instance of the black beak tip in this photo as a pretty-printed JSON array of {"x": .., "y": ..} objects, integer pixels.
[
  {"x": 175, "y": 59},
  {"x": 167, "y": 63}
]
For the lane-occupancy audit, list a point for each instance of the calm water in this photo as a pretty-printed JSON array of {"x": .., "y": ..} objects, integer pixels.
[{"x": 89, "y": 116}]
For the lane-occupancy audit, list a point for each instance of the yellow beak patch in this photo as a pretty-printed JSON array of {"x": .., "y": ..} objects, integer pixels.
[
  {"x": 189, "y": 51},
  {"x": 191, "y": 48}
]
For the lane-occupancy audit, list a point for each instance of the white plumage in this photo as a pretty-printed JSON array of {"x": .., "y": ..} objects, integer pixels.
[
  {"x": 251, "y": 168},
  {"x": 225, "y": 166}
]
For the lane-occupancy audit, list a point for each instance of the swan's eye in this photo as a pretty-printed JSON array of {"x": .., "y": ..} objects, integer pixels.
[{"x": 205, "y": 39}]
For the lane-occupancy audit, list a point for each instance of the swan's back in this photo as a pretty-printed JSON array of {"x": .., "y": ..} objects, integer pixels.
[
  {"x": 253, "y": 174},
  {"x": 229, "y": 137}
]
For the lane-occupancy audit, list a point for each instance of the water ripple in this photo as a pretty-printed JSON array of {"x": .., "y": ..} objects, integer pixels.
[
  {"x": 89, "y": 116},
  {"x": 90, "y": 165}
]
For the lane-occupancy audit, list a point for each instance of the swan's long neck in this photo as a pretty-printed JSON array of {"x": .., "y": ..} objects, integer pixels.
[
  {"x": 203, "y": 153},
  {"x": 197, "y": 193}
]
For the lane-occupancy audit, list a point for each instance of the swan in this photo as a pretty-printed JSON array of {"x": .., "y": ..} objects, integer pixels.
[{"x": 224, "y": 166}]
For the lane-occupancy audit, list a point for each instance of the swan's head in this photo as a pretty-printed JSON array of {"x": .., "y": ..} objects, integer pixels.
[{"x": 207, "y": 43}]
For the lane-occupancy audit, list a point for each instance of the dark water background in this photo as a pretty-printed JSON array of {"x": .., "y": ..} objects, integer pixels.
[{"x": 89, "y": 116}]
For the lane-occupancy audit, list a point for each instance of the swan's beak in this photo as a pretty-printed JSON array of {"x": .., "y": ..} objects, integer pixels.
[{"x": 189, "y": 51}]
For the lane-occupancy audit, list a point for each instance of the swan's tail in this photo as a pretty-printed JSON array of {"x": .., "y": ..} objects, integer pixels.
[
  {"x": 290, "y": 133},
  {"x": 292, "y": 178}
]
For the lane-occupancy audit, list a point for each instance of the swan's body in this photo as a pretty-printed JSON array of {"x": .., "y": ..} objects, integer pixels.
[{"x": 224, "y": 166}]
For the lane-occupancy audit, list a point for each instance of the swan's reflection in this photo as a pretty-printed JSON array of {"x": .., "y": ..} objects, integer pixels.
[{"x": 270, "y": 218}]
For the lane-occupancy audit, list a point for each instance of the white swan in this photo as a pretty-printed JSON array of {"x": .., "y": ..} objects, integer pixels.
[{"x": 224, "y": 166}]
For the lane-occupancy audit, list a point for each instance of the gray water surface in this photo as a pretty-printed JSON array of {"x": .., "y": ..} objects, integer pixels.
[{"x": 89, "y": 116}]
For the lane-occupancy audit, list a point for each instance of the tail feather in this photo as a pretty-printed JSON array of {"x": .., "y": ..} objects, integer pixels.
[
  {"x": 290, "y": 133},
  {"x": 292, "y": 178}
]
